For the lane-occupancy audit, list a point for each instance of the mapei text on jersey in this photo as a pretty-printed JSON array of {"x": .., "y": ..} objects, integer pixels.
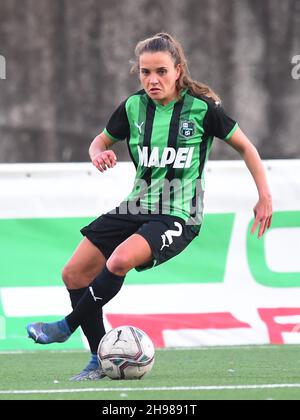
[{"x": 180, "y": 158}]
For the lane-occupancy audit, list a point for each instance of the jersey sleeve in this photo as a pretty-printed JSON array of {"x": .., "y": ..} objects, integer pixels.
[
  {"x": 217, "y": 123},
  {"x": 117, "y": 127}
]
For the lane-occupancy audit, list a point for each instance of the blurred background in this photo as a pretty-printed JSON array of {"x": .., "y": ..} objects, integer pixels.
[{"x": 67, "y": 68}]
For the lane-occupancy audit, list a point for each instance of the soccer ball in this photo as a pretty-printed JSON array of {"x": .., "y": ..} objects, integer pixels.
[{"x": 126, "y": 352}]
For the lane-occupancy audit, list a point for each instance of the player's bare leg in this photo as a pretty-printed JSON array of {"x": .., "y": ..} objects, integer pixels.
[
  {"x": 133, "y": 252},
  {"x": 84, "y": 265}
]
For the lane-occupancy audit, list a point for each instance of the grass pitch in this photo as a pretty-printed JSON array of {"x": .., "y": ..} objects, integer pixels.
[{"x": 214, "y": 373}]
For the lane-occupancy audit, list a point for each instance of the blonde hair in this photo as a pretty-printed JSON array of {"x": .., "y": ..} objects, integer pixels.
[{"x": 166, "y": 43}]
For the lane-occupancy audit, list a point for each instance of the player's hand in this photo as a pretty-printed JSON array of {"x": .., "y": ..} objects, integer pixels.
[
  {"x": 263, "y": 216},
  {"x": 104, "y": 160}
]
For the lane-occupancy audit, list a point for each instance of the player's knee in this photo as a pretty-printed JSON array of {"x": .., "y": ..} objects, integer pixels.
[
  {"x": 119, "y": 263},
  {"x": 70, "y": 277}
]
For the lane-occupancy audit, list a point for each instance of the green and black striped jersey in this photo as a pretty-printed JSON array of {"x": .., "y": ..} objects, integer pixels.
[{"x": 169, "y": 146}]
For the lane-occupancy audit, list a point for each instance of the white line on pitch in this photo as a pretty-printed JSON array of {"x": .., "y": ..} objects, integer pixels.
[{"x": 163, "y": 388}]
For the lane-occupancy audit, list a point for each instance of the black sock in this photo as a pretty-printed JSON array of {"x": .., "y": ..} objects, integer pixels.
[
  {"x": 105, "y": 286},
  {"x": 93, "y": 327}
]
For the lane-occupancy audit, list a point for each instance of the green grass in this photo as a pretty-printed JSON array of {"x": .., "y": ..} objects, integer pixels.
[{"x": 188, "y": 368}]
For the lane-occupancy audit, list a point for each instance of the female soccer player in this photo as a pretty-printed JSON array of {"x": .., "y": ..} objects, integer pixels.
[{"x": 169, "y": 126}]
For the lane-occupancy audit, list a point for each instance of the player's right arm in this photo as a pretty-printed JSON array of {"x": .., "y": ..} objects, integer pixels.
[{"x": 101, "y": 155}]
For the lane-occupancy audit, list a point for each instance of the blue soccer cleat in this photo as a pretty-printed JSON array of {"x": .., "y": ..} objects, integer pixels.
[
  {"x": 93, "y": 371},
  {"x": 43, "y": 333}
]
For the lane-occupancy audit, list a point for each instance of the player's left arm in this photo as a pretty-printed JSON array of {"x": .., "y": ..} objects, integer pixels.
[{"x": 263, "y": 209}]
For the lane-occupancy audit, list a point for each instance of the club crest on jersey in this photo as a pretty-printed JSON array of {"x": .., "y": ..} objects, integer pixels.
[{"x": 187, "y": 129}]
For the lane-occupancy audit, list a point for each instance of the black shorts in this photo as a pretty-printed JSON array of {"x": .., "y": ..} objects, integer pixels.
[{"x": 166, "y": 235}]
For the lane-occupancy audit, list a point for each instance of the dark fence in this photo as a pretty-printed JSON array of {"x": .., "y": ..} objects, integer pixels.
[{"x": 67, "y": 67}]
